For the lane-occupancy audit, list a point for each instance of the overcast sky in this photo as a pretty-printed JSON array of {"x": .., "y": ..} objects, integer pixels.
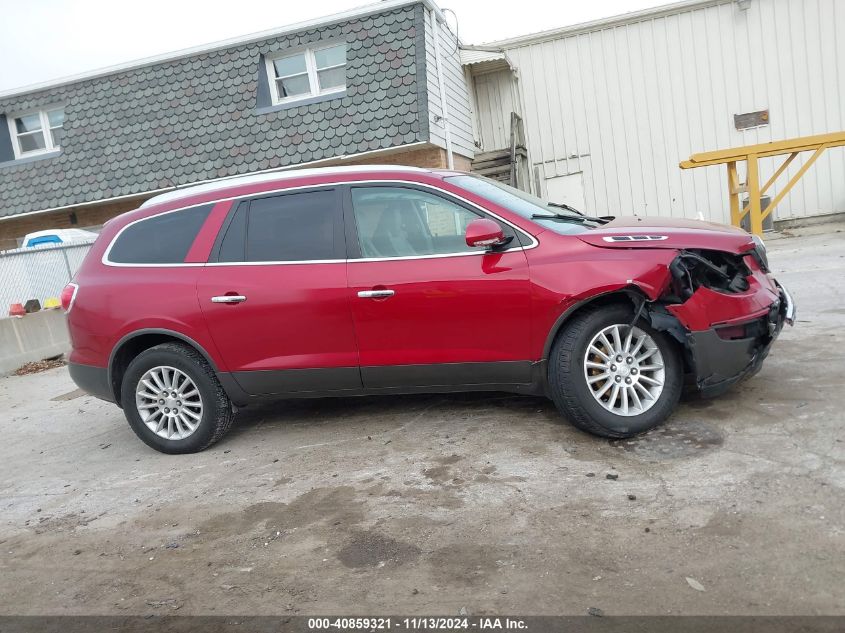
[{"x": 45, "y": 39}]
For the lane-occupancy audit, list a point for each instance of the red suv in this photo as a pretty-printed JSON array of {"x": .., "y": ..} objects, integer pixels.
[{"x": 380, "y": 280}]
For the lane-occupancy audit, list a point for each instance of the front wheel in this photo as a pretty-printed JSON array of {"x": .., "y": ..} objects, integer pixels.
[
  {"x": 611, "y": 378},
  {"x": 173, "y": 400}
]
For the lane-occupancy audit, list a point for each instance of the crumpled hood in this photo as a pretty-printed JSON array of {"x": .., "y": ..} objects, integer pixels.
[{"x": 636, "y": 232}]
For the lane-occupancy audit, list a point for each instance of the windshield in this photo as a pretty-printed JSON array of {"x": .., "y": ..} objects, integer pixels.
[{"x": 524, "y": 204}]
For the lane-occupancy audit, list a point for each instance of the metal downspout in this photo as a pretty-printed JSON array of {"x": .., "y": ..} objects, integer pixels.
[{"x": 441, "y": 82}]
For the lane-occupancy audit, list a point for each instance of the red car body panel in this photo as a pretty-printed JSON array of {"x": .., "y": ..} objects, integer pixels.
[
  {"x": 683, "y": 224},
  {"x": 251, "y": 336},
  {"x": 130, "y": 300},
  {"x": 201, "y": 248},
  {"x": 485, "y": 307},
  {"x": 698, "y": 238},
  {"x": 569, "y": 272},
  {"x": 474, "y": 308}
]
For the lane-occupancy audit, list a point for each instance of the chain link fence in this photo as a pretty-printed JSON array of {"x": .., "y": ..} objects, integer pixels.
[{"x": 38, "y": 272}]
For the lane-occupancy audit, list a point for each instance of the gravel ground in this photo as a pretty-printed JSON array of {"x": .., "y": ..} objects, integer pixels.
[{"x": 431, "y": 504}]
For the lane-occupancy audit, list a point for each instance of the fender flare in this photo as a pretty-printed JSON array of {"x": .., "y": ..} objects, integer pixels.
[
  {"x": 164, "y": 331},
  {"x": 633, "y": 294}
]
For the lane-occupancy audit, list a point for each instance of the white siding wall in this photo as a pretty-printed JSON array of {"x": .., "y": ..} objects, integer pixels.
[
  {"x": 625, "y": 104},
  {"x": 457, "y": 96}
]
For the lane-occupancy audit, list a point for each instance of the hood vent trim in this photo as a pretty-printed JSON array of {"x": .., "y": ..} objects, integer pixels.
[{"x": 635, "y": 238}]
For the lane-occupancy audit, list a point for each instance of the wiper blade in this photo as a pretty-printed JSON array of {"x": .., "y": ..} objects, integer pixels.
[
  {"x": 577, "y": 219},
  {"x": 604, "y": 219},
  {"x": 563, "y": 205}
]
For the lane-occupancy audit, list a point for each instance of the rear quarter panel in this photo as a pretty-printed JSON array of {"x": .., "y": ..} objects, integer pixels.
[
  {"x": 124, "y": 300},
  {"x": 113, "y": 301}
]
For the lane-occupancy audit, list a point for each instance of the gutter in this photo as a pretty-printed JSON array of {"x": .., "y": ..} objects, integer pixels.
[
  {"x": 604, "y": 23},
  {"x": 489, "y": 49}
]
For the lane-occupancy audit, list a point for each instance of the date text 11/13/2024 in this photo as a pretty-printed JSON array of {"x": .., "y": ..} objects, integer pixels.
[{"x": 416, "y": 624}]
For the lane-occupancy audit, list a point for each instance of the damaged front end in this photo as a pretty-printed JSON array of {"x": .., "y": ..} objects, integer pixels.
[{"x": 726, "y": 310}]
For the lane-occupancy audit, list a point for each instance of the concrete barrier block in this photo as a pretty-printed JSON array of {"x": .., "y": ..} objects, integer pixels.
[{"x": 34, "y": 337}]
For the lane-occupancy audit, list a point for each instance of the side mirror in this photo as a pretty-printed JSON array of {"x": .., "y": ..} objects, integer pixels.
[{"x": 484, "y": 232}]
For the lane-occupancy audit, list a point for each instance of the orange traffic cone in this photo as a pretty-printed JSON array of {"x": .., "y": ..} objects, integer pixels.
[{"x": 17, "y": 310}]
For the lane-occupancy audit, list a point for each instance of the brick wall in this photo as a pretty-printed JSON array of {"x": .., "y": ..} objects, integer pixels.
[
  {"x": 12, "y": 229},
  {"x": 429, "y": 157}
]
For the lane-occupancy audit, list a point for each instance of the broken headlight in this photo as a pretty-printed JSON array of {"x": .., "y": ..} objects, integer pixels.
[
  {"x": 760, "y": 253},
  {"x": 694, "y": 269}
]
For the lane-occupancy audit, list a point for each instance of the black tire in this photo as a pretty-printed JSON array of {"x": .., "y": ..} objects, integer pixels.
[
  {"x": 568, "y": 386},
  {"x": 216, "y": 417}
]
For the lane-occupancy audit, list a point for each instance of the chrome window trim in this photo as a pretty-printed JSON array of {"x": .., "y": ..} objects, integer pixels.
[
  {"x": 105, "y": 258},
  {"x": 107, "y": 262}
]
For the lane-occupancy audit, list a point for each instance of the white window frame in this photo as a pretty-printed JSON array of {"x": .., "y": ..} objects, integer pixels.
[
  {"x": 46, "y": 132},
  {"x": 310, "y": 68}
]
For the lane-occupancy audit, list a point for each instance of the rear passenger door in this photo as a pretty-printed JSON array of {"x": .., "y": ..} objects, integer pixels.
[{"x": 275, "y": 295}]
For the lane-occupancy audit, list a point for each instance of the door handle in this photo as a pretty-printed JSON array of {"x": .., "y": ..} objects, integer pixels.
[
  {"x": 376, "y": 294},
  {"x": 228, "y": 299}
]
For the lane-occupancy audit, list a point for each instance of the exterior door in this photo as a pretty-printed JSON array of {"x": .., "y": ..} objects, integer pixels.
[
  {"x": 567, "y": 189},
  {"x": 429, "y": 310},
  {"x": 275, "y": 295}
]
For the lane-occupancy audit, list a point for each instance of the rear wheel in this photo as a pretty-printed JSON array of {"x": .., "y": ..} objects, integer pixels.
[
  {"x": 611, "y": 378},
  {"x": 173, "y": 400}
]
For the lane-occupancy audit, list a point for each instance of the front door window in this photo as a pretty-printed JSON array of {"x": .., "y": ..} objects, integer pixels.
[{"x": 402, "y": 222}]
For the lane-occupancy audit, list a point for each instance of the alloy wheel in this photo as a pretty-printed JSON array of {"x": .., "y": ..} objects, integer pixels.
[
  {"x": 169, "y": 402},
  {"x": 624, "y": 370}
]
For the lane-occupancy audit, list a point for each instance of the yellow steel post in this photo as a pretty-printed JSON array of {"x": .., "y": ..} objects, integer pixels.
[
  {"x": 733, "y": 193},
  {"x": 754, "y": 194}
]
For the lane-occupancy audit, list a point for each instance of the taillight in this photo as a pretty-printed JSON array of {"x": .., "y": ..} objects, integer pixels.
[{"x": 68, "y": 295}]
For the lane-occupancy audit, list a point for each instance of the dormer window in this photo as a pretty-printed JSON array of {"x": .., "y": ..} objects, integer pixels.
[
  {"x": 36, "y": 133},
  {"x": 312, "y": 72}
]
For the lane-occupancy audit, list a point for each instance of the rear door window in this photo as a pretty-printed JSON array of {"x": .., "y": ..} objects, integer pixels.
[
  {"x": 160, "y": 239},
  {"x": 301, "y": 226},
  {"x": 292, "y": 227}
]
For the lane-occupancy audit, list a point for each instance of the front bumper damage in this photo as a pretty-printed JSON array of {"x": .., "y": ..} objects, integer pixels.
[
  {"x": 718, "y": 362},
  {"x": 726, "y": 314}
]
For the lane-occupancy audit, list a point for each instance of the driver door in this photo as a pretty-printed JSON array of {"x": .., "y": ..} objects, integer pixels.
[{"x": 428, "y": 310}]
